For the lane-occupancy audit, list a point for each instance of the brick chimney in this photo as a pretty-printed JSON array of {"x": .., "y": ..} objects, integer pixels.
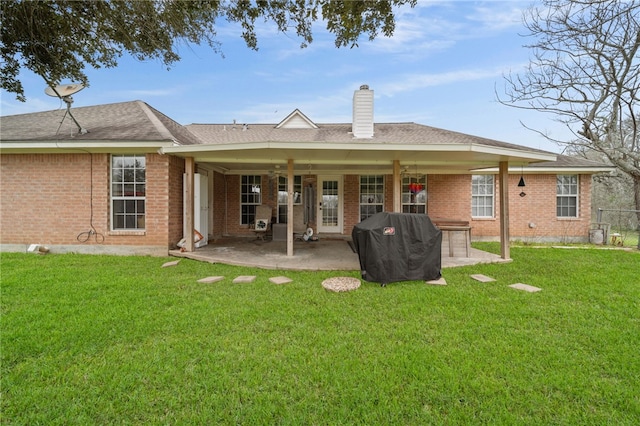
[{"x": 362, "y": 126}]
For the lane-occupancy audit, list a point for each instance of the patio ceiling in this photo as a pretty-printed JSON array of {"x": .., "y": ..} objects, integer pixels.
[{"x": 261, "y": 157}]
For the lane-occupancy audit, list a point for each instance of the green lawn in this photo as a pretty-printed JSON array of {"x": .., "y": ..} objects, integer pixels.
[{"x": 105, "y": 340}]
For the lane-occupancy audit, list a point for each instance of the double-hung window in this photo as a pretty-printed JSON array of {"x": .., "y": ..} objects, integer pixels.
[
  {"x": 283, "y": 191},
  {"x": 567, "y": 196},
  {"x": 414, "y": 194},
  {"x": 128, "y": 192},
  {"x": 482, "y": 195},
  {"x": 250, "y": 197},
  {"x": 371, "y": 195}
]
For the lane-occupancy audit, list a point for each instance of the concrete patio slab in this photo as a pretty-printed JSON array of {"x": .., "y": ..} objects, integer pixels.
[
  {"x": 209, "y": 280},
  {"x": 525, "y": 287},
  {"x": 326, "y": 254},
  {"x": 244, "y": 279},
  {"x": 482, "y": 278}
]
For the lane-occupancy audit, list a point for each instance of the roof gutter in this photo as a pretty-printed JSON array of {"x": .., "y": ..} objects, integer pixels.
[
  {"x": 30, "y": 147},
  {"x": 526, "y": 155}
]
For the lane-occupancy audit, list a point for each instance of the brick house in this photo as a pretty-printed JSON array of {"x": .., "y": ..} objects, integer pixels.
[{"x": 128, "y": 184}]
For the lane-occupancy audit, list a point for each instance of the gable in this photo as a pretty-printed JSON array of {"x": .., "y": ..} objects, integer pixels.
[{"x": 296, "y": 120}]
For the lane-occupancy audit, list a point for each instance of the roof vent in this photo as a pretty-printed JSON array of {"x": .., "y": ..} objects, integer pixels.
[{"x": 362, "y": 126}]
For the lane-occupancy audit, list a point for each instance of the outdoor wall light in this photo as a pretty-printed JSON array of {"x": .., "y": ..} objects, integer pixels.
[{"x": 521, "y": 183}]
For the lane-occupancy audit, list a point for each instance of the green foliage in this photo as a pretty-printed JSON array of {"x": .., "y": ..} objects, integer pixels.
[
  {"x": 100, "y": 340},
  {"x": 56, "y": 39}
]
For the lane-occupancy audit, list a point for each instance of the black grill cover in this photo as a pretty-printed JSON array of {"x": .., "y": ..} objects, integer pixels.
[{"x": 398, "y": 247}]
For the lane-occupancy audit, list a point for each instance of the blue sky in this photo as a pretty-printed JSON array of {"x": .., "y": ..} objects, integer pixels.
[{"x": 441, "y": 68}]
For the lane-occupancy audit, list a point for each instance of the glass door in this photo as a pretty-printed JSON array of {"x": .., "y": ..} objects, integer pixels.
[{"x": 330, "y": 204}]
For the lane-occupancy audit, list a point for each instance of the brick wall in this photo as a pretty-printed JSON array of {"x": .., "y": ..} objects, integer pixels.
[
  {"x": 55, "y": 199},
  {"x": 230, "y": 211},
  {"x": 351, "y": 202},
  {"x": 449, "y": 196},
  {"x": 176, "y": 169},
  {"x": 47, "y": 198},
  {"x": 532, "y": 217},
  {"x": 219, "y": 211}
]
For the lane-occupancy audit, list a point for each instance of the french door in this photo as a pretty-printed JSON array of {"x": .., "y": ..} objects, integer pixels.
[{"x": 330, "y": 204}]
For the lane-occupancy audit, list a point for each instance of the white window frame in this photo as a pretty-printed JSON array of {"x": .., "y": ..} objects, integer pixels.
[
  {"x": 414, "y": 203},
  {"x": 483, "y": 196},
  {"x": 371, "y": 195},
  {"x": 283, "y": 195},
  {"x": 253, "y": 184},
  {"x": 128, "y": 192},
  {"x": 567, "y": 191}
]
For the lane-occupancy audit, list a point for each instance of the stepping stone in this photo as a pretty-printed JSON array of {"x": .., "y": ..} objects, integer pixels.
[
  {"x": 209, "y": 280},
  {"x": 172, "y": 263},
  {"x": 439, "y": 281},
  {"x": 525, "y": 287},
  {"x": 339, "y": 284},
  {"x": 242, "y": 279},
  {"x": 280, "y": 280},
  {"x": 482, "y": 278}
]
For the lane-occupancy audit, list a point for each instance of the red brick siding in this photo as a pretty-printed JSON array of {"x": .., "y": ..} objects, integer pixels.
[
  {"x": 176, "y": 167},
  {"x": 233, "y": 225},
  {"x": 534, "y": 216},
  {"x": 219, "y": 212},
  {"x": 47, "y": 199},
  {"x": 449, "y": 196},
  {"x": 351, "y": 204}
]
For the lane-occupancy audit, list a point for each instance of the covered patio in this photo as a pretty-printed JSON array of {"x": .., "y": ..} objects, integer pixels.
[
  {"x": 326, "y": 254},
  {"x": 326, "y": 153}
]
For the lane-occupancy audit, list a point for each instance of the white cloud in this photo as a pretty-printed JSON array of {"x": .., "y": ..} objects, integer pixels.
[
  {"x": 412, "y": 82},
  {"x": 14, "y": 107}
]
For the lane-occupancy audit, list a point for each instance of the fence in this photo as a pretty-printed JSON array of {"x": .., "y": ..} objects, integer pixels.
[{"x": 617, "y": 224}]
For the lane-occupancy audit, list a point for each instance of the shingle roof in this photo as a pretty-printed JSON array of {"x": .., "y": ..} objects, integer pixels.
[
  {"x": 384, "y": 133},
  {"x": 124, "y": 121},
  {"x": 567, "y": 161},
  {"x": 138, "y": 121}
]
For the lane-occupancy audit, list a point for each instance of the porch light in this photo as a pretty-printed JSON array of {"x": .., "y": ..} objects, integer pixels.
[{"x": 521, "y": 183}]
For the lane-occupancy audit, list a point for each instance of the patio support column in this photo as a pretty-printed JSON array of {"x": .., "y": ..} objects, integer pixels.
[
  {"x": 189, "y": 200},
  {"x": 290, "y": 208},
  {"x": 397, "y": 187},
  {"x": 504, "y": 209}
]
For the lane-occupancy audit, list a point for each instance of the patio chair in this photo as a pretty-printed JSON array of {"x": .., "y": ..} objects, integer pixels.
[{"x": 262, "y": 221}]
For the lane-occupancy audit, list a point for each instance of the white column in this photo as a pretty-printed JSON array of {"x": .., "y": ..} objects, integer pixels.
[
  {"x": 189, "y": 219},
  {"x": 504, "y": 210},
  {"x": 290, "y": 208}
]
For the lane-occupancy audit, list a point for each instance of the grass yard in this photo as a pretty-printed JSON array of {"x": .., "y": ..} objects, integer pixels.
[{"x": 106, "y": 340}]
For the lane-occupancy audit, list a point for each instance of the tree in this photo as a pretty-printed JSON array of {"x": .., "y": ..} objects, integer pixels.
[
  {"x": 585, "y": 71},
  {"x": 56, "y": 39}
]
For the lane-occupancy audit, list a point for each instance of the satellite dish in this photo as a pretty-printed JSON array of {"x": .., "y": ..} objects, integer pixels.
[{"x": 63, "y": 90}]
